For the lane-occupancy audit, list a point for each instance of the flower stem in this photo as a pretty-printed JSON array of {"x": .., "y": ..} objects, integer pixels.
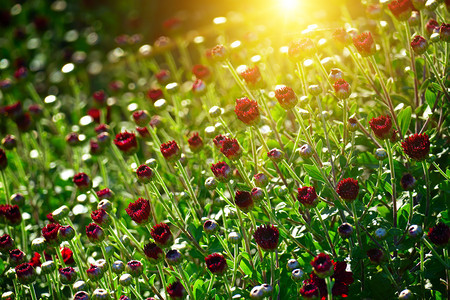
[
  {"x": 211, "y": 283},
  {"x": 436, "y": 72},
  {"x": 327, "y": 235},
  {"x": 160, "y": 267},
  {"x": 6, "y": 187},
  {"x": 393, "y": 185},
  {"x": 427, "y": 182},
  {"x": 436, "y": 255},
  {"x": 329, "y": 288},
  {"x": 32, "y": 292},
  {"x": 190, "y": 189},
  {"x": 440, "y": 171},
  {"x": 186, "y": 282}
]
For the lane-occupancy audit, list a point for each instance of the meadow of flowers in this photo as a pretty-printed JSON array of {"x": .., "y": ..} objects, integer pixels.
[{"x": 226, "y": 165}]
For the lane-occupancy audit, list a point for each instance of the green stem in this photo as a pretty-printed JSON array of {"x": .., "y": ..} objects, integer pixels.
[
  {"x": 440, "y": 171},
  {"x": 160, "y": 267},
  {"x": 32, "y": 292},
  {"x": 238, "y": 79},
  {"x": 252, "y": 142},
  {"x": 186, "y": 282},
  {"x": 427, "y": 182},
  {"x": 6, "y": 187},
  {"x": 111, "y": 281},
  {"x": 436, "y": 255},
  {"x": 327, "y": 234},
  {"x": 439, "y": 79},
  {"x": 211, "y": 282},
  {"x": 308, "y": 137},
  {"x": 190, "y": 189},
  {"x": 138, "y": 295},
  {"x": 329, "y": 288},
  {"x": 393, "y": 185}
]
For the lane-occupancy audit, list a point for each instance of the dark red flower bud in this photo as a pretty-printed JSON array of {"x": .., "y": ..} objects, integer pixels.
[
  {"x": 66, "y": 233},
  {"x": 126, "y": 142},
  {"x": 247, "y": 111},
  {"x": 286, "y": 97},
  {"x": 82, "y": 181},
  {"x": 102, "y": 128},
  {"x": 36, "y": 111},
  {"x": 342, "y": 89},
  {"x": 444, "y": 32},
  {"x": 301, "y": 49},
  {"x": 99, "y": 98},
  {"x": 376, "y": 256},
  {"x": 162, "y": 235},
  {"x": 73, "y": 139},
  {"x": 95, "y": 233},
  {"x": 25, "y": 273},
  {"x": 439, "y": 234},
  {"x": 81, "y": 295},
  {"x": 23, "y": 122},
  {"x": 244, "y": 200},
  {"x": 199, "y": 87},
  {"x": 345, "y": 230},
  {"x": 67, "y": 275},
  {"x": 201, "y": 72},
  {"x": 407, "y": 182},
  {"x": 12, "y": 214},
  {"x": 432, "y": 26},
  {"x": 94, "y": 273},
  {"x": 67, "y": 255},
  {"x": 417, "y": 146},
  {"x": 163, "y": 77},
  {"x": 210, "y": 226},
  {"x": 144, "y": 174},
  {"x": 95, "y": 148},
  {"x": 153, "y": 253},
  {"x": 6, "y": 243},
  {"x": 231, "y": 149},
  {"x": 16, "y": 257},
  {"x": 176, "y": 290},
  {"x": 20, "y": 73},
  {"x": 101, "y": 217},
  {"x": 135, "y": 268},
  {"x": 171, "y": 151},
  {"x": 216, "y": 263},
  {"x": 365, "y": 44},
  {"x": 219, "y": 53},
  {"x": 342, "y": 37},
  {"x": 348, "y": 189},
  {"x": 260, "y": 180},
  {"x": 218, "y": 140},
  {"x": 322, "y": 265},
  {"x": 9, "y": 142},
  {"x": 50, "y": 233},
  {"x": 267, "y": 237},
  {"x": 35, "y": 261},
  {"x": 195, "y": 142},
  {"x": 309, "y": 290},
  {"x": 257, "y": 194},
  {"x": 275, "y": 155},
  {"x": 105, "y": 194},
  {"x": 307, "y": 196},
  {"x": 381, "y": 127},
  {"x": 419, "y": 45},
  {"x": 401, "y": 9},
  {"x": 251, "y": 76},
  {"x": 3, "y": 160},
  {"x": 141, "y": 118},
  {"x": 139, "y": 211},
  {"x": 155, "y": 94},
  {"x": 14, "y": 110},
  {"x": 222, "y": 171}
]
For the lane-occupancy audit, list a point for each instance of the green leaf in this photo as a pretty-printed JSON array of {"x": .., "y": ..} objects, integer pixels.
[
  {"x": 430, "y": 98},
  {"x": 404, "y": 119},
  {"x": 198, "y": 287},
  {"x": 314, "y": 172},
  {"x": 151, "y": 280}
]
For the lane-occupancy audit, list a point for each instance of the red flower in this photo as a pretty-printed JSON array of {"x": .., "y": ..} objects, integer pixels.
[
  {"x": 419, "y": 45},
  {"x": 439, "y": 234},
  {"x": 230, "y": 148},
  {"x": 23, "y": 122},
  {"x": 6, "y": 243},
  {"x": 381, "y": 127},
  {"x": 141, "y": 118},
  {"x": 135, "y": 268},
  {"x": 432, "y": 26},
  {"x": 175, "y": 290},
  {"x": 342, "y": 37},
  {"x": 50, "y": 233},
  {"x": 99, "y": 97},
  {"x": 401, "y": 9},
  {"x": 376, "y": 256},
  {"x": 322, "y": 265},
  {"x": 219, "y": 53},
  {"x": 222, "y": 171},
  {"x": 126, "y": 142},
  {"x": 102, "y": 128},
  {"x": 348, "y": 189},
  {"x": 309, "y": 290},
  {"x": 171, "y": 151},
  {"x": 251, "y": 76},
  {"x": 16, "y": 257},
  {"x": 342, "y": 89},
  {"x": 444, "y": 32},
  {"x": 82, "y": 181},
  {"x": 35, "y": 261},
  {"x": 101, "y": 217},
  {"x": 162, "y": 235},
  {"x": 3, "y": 160},
  {"x": 67, "y": 275},
  {"x": 25, "y": 273},
  {"x": 144, "y": 174},
  {"x": 14, "y": 110},
  {"x": 417, "y": 146},
  {"x": 105, "y": 194},
  {"x": 67, "y": 255},
  {"x": 155, "y": 94},
  {"x": 143, "y": 132},
  {"x": 95, "y": 233},
  {"x": 267, "y": 237},
  {"x": 73, "y": 139},
  {"x": 218, "y": 140},
  {"x": 94, "y": 273},
  {"x": 275, "y": 154},
  {"x": 49, "y": 217},
  {"x": 216, "y": 263},
  {"x": 301, "y": 49},
  {"x": 201, "y": 72},
  {"x": 365, "y": 44},
  {"x": 195, "y": 142},
  {"x": 244, "y": 200},
  {"x": 153, "y": 253},
  {"x": 342, "y": 280},
  {"x": 307, "y": 196},
  {"x": 247, "y": 111},
  {"x": 163, "y": 77},
  {"x": 199, "y": 87},
  {"x": 139, "y": 211},
  {"x": 286, "y": 97}
]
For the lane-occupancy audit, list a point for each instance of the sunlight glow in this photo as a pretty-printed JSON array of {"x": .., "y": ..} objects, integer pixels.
[{"x": 289, "y": 4}]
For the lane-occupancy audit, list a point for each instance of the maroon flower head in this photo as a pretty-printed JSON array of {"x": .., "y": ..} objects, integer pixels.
[
  {"x": 419, "y": 45},
  {"x": 95, "y": 148},
  {"x": 348, "y": 189},
  {"x": 163, "y": 77},
  {"x": 12, "y": 214},
  {"x": 247, "y": 111},
  {"x": 407, "y": 182},
  {"x": 432, "y": 26},
  {"x": 176, "y": 290},
  {"x": 102, "y": 128},
  {"x": 252, "y": 76},
  {"x": 244, "y": 201},
  {"x": 170, "y": 151},
  {"x": 67, "y": 255},
  {"x": 14, "y": 110},
  {"x": 376, "y": 256},
  {"x": 36, "y": 111},
  {"x": 81, "y": 295},
  {"x": 218, "y": 140},
  {"x": 105, "y": 194},
  {"x": 95, "y": 233},
  {"x": 35, "y": 261},
  {"x": 155, "y": 94},
  {"x": 222, "y": 171},
  {"x": 6, "y": 243},
  {"x": 82, "y": 181},
  {"x": 230, "y": 148},
  {"x": 20, "y": 73},
  {"x": 301, "y": 49},
  {"x": 50, "y": 233},
  {"x": 342, "y": 37},
  {"x": 67, "y": 275},
  {"x": 94, "y": 273},
  {"x": 25, "y": 273},
  {"x": 365, "y": 44},
  {"x": 16, "y": 257},
  {"x": 3, "y": 160},
  {"x": 139, "y": 210},
  {"x": 144, "y": 133},
  {"x": 162, "y": 235},
  {"x": 195, "y": 142},
  {"x": 23, "y": 122},
  {"x": 99, "y": 97},
  {"x": 401, "y": 9},
  {"x": 444, "y": 32},
  {"x": 49, "y": 217},
  {"x": 307, "y": 196},
  {"x": 381, "y": 127},
  {"x": 342, "y": 89},
  {"x": 144, "y": 174},
  {"x": 417, "y": 146},
  {"x": 135, "y": 268},
  {"x": 126, "y": 142},
  {"x": 342, "y": 279},
  {"x": 439, "y": 234},
  {"x": 267, "y": 237},
  {"x": 275, "y": 154},
  {"x": 9, "y": 142},
  {"x": 153, "y": 253},
  {"x": 101, "y": 217},
  {"x": 73, "y": 139},
  {"x": 216, "y": 263},
  {"x": 141, "y": 118},
  {"x": 322, "y": 265},
  {"x": 309, "y": 290},
  {"x": 201, "y": 72},
  {"x": 286, "y": 97}
]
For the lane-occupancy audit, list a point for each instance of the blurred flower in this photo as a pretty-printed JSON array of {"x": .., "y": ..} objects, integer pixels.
[
  {"x": 163, "y": 77},
  {"x": 251, "y": 76},
  {"x": 126, "y": 142},
  {"x": 376, "y": 256},
  {"x": 417, "y": 146},
  {"x": 381, "y": 127},
  {"x": 286, "y": 97},
  {"x": 407, "y": 182},
  {"x": 195, "y": 142},
  {"x": 141, "y": 118},
  {"x": 439, "y": 234},
  {"x": 342, "y": 37},
  {"x": 6, "y": 243},
  {"x": 247, "y": 111},
  {"x": 444, "y": 32},
  {"x": 176, "y": 290},
  {"x": 201, "y": 72},
  {"x": 342, "y": 89},
  {"x": 301, "y": 49},
  {"x": 419, "y": 45},
  {"x": 401, "y": 9},
  {"x": 216, "y": 263},
  {"x": 82, "y": 181},
  {"x": 365, "y": 44},
  {"x": 155, "y": 94},
  {"x": 244, "y": 201},
  {"x": 170, "y": 151},
  {"x": 432, "y": 26}
]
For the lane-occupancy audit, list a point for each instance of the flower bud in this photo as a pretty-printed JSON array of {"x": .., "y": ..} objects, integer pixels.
[
  {"x": 66, "y": 233},
  {"x": 444, "y": 32},
  {"x": 100, "y": 294},
  {"x": 414, "y": 20},
  {"x": 342, "y": 89},
  {"x": 345, "y": 230},
  {"x": 405, "y": 294},
  {"x": 101, "y": 217},
  {"x": 17, "y": 199},
  {"x": 315, "y": 90},
  {"x": 38, "y": 245},
  {"x": 210, "y": 226},
  {"x": 6, "y": 243},
  {"x": 210, "y": 183},
  {"x": 414, "y": 231},
  {"x": 376, "y": 256},
  {"x": 215, "y": 111},
  {"x": 352, "y": 125},
  {"x": 305, "y": 151},
  {"x": 67, "y": 275},
  {"x": 335, "y": 74},
  {"x": 60, "y": 213},
  {"x": 16, "y": 257},
  {"x": 297, "y": 274},
  {"x": 125, "y": 279},
  {"x": 380, "y": 154},
  {"x": 105, "y": 205},
  {"x": 257, "y": 194},
  {"x": 419, "y": 45},
  {"x": 174, "y": 257},
  {"x": 25, "y": 273},
  {"x": 407, "y": 182},
  {"x": 11, "y": 273},
  {"x": 281, "y": 191},
  {"x": 234, "y": 237},
  {"x": 275, "y": 155},
  {"x": 199, "y": 87},
  {"x": 94, "y": 273},
  {"x": 8, "y": 296},
  {"x": 380, "y": 233},
  {"x": 292, "y": 264},
  {"x": 267, "y": 289},
  {"x": 135, "y": 268},
  {"x": 141, "y": 118},
  {"x": 261, "y": 180},
  {"x": 9, "y": 142},
  {"x": 48, "y": 267},
  {"x": 79, "y": 285},
  {"x": 95, "y": 233},
  {"x": 81, "y": 295},
  {"x": 257, "y": 293},
  {"x": 419, "y": 4},
  {"x": 118, "y": 267}
]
